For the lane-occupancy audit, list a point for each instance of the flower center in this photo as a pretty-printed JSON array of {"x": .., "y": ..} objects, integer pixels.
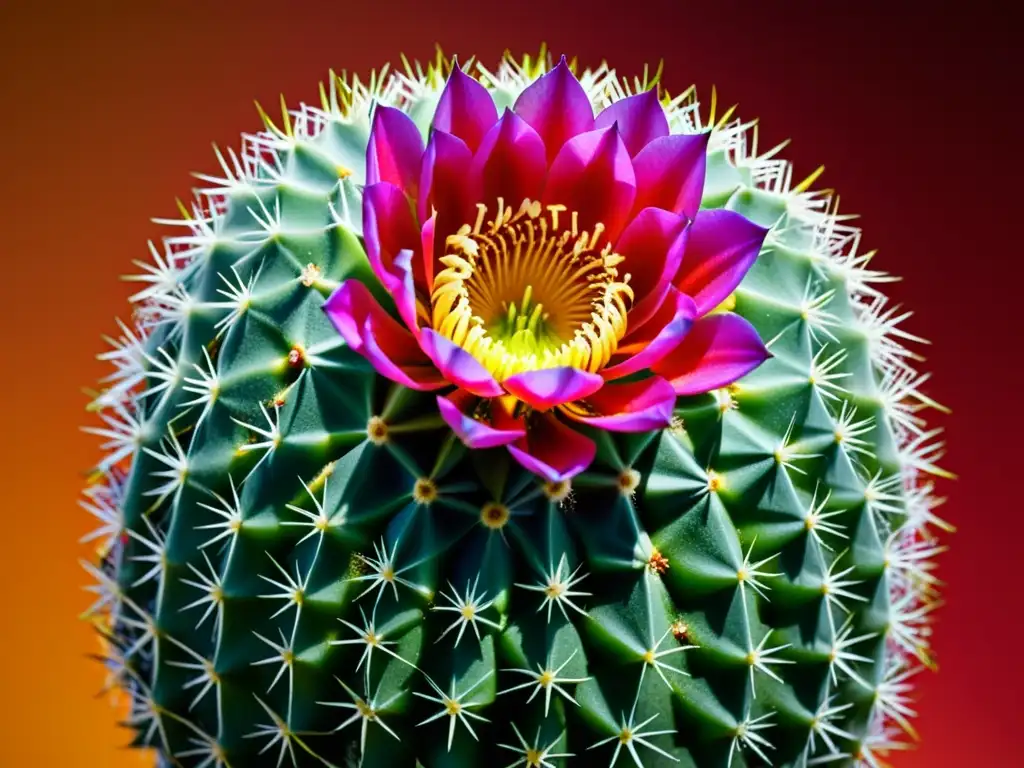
[{"x": 529, "y": 290}]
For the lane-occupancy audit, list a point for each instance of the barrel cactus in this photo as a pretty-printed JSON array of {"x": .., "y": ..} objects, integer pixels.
[{"x": 530, "y": 415}]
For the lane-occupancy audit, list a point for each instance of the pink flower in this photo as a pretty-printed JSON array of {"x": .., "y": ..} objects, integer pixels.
[{"x": 550, "y": 268}]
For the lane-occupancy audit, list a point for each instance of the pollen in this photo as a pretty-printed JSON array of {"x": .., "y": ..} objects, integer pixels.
[
  {"x": 716, "y": 481},
  {"x": 724, "y": 400},
  {"x": 528, "y": 290},
  {"x": 679, "y": 630},
  {"x": 557, "y": 491},
  {"x": 657, "y": 562},
  {"x": 629, "y": 481},
  {"x": 377, "y": 431},
  {"x": 296, "y": 356},
  {"x": 310, "y": 274},
  {"x": 494, "y": 515},
  {"x": 425, "y": 491}
]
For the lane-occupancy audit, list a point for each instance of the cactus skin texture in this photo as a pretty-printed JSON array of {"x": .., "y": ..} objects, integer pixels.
[{"x": 300, "y": 565}]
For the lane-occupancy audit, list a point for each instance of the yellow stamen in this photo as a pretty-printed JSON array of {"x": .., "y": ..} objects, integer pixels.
[{"x": 528, "y": 289}]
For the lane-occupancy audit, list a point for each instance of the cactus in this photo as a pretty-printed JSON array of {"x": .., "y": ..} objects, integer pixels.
[{"x": 302, "y": 562}]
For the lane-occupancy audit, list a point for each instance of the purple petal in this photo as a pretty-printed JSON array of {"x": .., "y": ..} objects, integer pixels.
[
  {"x": 394, "y": 151},
  {"x": 553, "y": 450},
  {"x": 544, "y": 389},
  {"x": 593, "y": 176},
  {"x": 722, "y": 247},
  {"x": 652, "y": 246},
  {"x": 373, "y": 333},
  {"x": 388, "y": 229},
  {"x": 510, "y": 163},
  {"x": 670, "y": 173},
  {"x": 637, "y": 406},
  {"x": 641, "y": 119},
  {"x": 457, "y": 365},
  {"x": 680, "y": 313},
  {"x": 472, "y": 432},
  {"x": 718, "y": 350},
  {"x": 557, "y": 107},
  {"x": 465, "y": 109}
]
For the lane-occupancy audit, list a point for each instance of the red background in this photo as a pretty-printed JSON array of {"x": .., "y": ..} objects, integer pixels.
[{"x": 108, "y": 106}]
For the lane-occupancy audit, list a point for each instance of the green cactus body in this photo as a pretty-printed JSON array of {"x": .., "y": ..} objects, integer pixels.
[{"x": 302, "y": 566}]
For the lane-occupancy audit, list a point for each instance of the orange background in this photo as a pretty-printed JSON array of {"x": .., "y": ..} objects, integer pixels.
[{"x": 108, "y": 106}]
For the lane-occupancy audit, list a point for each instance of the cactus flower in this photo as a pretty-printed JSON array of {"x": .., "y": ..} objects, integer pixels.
[{"x": 540, "y": 260}]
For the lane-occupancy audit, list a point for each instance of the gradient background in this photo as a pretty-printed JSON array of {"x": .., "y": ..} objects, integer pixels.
[{"x": 108, "y": 106}]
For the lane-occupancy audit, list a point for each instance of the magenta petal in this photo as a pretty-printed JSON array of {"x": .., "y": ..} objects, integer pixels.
[
  {"x": 472, "y": 432},
  {"x": 465, "y": 109},
  {"x": 718, "y": 350},
  {"x": 373, "y": 333},
  {"x": 457, "y": 365},
  {"x": 593, "y": 176},
  {"x": 637, "y": 406},
  {"x": 641, "y": 119},
  {"x": 553, "y": 450},
  {"x": 510, "y": 163},
  {"x": 670, "y": 173},
  {"x": 427, "y": 244},
  {"x": 666, "y": 338},
  {"x": 404, "y": 292},
  {"x": 557, "y": 107},
  {"x": 545, "y": 388},
  {"x": 394, "y": 151},
  {"x": 443, "y": 189},
  {"x": 652, "y": 246},
  {"x": 721, "y": 248},
  {"x": 443, "y": 176},
  {"x": 388, "y": 229}
]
